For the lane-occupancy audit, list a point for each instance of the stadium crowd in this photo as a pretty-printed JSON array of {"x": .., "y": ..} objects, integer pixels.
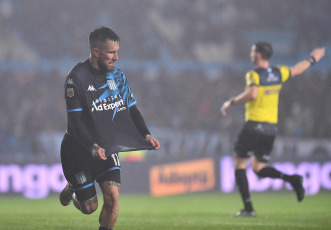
[
  {"x": 34, "y": 105},
  {"x": 186, "y": 98}
]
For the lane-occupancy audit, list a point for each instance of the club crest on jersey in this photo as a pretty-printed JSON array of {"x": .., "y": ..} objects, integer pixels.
[
  {"x": 70, "y": 92},
  {"x": 112, "y": 84}
]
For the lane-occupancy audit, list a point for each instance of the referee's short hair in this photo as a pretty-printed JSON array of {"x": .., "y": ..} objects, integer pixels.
[
  {"x": 100, "y": 35},
  {"x": 264, "y": 48}
]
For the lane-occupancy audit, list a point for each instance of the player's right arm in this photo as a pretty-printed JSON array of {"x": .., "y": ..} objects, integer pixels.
[
  {"x": 76, "y": 125},
  {"x": 251, "y": 92},
  {"x": 315, "y": 56},
  {"x": 242, "y": 98}
]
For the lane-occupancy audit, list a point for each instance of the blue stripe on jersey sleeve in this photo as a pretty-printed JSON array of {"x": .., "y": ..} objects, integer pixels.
[
  {"x": 132, "y": 103},
  {"x": 74, "y": 110}
]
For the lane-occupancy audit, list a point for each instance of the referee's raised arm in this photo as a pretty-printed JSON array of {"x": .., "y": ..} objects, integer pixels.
[{"x": 315, "y": 56}]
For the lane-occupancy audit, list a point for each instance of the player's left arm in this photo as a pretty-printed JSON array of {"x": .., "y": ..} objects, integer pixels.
[
  {"x": 138, "y": 119},
  {"x": 154, "y": 142},
  {"x": 315, "y": 56},
  {"x": 139, "y": 122}
]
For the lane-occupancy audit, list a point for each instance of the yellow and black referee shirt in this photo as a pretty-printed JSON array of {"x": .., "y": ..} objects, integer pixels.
[{"x": 269, "y": 81}]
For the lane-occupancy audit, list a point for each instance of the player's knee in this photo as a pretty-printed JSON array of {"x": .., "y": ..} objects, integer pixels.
[
  {"x": 257, "y": 166},
  {"x": 89, "y": 206},
  {"x": 240, "y": 163},
  {"x": 111, "y": 200},
  {"x": 255, "y": 170},
  {"x": 89, "y": 209}
]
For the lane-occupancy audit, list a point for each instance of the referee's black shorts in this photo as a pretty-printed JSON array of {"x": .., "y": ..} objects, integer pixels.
[
  {"x": 81, "y": 170},
  {"x": 256, "y": 138}
]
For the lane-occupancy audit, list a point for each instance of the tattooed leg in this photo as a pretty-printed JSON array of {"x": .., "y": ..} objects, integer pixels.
[
  {"x": 110, "y": 208},
  {"x": 113, "y": 183}
]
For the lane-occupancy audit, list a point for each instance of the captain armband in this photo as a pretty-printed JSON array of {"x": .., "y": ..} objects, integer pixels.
[{"x": 312, "y": 60}]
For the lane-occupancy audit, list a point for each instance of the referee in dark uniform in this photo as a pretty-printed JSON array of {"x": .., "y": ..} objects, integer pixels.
[
  {"x": 103, "y": 120},
  {"x": 260, "y": 97}
]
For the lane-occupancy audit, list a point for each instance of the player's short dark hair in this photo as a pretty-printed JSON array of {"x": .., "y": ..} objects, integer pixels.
[
  {"x": 100, "y": 35},
  {"x": 264, "y": 48}
]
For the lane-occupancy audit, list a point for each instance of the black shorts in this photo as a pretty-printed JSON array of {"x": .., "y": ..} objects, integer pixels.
[
  {"x": 81, "y": 170},
  {"x": 257, "y": 138}
]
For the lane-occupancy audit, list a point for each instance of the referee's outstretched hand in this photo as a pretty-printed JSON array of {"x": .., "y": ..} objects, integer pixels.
[
  {"x": 224, "y": 107},
  {"x": 318, "y": 53}
]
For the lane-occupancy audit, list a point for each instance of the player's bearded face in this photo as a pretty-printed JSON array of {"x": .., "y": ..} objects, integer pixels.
[{"x": 108, "y": 55}]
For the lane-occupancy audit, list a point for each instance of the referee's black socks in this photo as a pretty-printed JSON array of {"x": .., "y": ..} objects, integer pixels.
[
  {"x": 242, "y": 183},
  {"x": 273, "y": 173}
]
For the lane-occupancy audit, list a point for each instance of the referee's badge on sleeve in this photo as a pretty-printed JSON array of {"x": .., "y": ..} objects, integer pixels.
[{"x": 70, "y": 92}]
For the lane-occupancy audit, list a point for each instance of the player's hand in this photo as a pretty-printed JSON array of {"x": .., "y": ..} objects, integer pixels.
[
  {"x": 98, "y": 153},
  {"x": 224, "y": 107},
  {"x": 153, "y": 141},
  {"x": 318, "y": 53}
]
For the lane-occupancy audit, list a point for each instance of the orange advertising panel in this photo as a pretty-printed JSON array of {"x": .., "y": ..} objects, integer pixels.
[{"x": 184, "y": 177}]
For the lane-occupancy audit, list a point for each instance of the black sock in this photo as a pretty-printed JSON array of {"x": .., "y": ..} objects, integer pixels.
[
  {"x": 242, "y": 183},
  {"x": 273, "y": 173},
  {"x": 103, "y": 228}
]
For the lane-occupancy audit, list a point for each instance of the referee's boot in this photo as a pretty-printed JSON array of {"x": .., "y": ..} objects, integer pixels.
[
  {"x": 245, "y": 213},
  {"x": 66, "y": 194},
  {"x": 296, "y": 182}
]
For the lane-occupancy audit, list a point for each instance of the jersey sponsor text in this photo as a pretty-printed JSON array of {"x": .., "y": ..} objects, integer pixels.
[{"x": 106, "y": 106}]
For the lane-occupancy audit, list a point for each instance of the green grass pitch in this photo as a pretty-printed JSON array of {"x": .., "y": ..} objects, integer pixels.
[{"x": 195, "y": 211}]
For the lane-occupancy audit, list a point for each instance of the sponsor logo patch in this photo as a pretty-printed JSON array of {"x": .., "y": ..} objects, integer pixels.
[
  {"x": 272, "y": 77},
  {"x": 119, "y": 105},
  {"x": 70, "y": 82},
  {"x": 91, "y": 88}
]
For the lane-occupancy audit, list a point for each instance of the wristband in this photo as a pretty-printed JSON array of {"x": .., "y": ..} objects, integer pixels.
[{"x": 312, "y": 60}]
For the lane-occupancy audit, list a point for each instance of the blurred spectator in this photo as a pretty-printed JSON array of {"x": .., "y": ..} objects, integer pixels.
[{"x": 180, "y": 44}]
